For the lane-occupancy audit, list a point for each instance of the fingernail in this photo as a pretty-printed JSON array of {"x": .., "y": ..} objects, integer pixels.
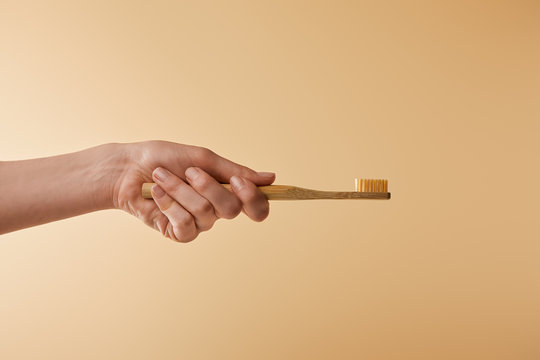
[
  {"x": 192, "y": 173},
  {"x": 157, "y": 191},
  {"x": 237, "y": 182},
  {"x": 161, "y": 174},
  {"x": 266, "y": 174}
]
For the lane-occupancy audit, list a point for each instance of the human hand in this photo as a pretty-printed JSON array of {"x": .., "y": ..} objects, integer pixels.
[{"x": 188, "y": 196}]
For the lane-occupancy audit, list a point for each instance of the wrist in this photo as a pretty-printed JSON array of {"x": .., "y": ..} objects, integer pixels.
[{"x": 110, "y": 162}]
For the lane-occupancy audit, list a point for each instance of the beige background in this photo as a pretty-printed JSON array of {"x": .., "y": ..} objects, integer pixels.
[{"x": 441, "y": 99}]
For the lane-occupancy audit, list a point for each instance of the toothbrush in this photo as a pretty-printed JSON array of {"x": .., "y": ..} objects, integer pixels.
[{"x": 374, "y": 189}]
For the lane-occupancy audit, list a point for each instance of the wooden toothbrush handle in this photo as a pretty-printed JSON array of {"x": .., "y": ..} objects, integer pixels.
[
  {"x": 272, "y": 192},
  {"x": 287, "y": 192}
]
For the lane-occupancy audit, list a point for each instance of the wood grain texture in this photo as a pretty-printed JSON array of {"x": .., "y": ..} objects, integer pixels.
[{"x": 287, "y": 192}]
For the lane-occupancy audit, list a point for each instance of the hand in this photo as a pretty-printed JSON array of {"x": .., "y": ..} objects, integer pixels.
[{"x": 188, "y": 196}]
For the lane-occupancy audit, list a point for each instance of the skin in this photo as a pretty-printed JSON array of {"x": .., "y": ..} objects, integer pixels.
[{"x": 188, "y": 197}]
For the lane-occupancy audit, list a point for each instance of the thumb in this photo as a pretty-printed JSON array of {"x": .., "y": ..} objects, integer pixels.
[{"x": 223, "y": 169}]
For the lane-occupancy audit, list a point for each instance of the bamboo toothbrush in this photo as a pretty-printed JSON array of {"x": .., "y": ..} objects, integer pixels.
[{"x": 374, "y": 189}]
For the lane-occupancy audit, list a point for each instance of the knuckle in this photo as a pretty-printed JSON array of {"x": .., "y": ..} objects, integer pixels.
[
  {"x": 181, "y": 235},
  {"x": 169, "y": 233},
  {"x": 202, "y": 154},
  {"x": 188, "y": 238},
  {"x": 206, "y": 226},
  {"x": 159, "y": 223},
  {"x": 232, "y": 210},
  {"x": 204, "y": 208},
  {"x": 178, "y": 234},
  {"x": 262, "y": 213},
  {"x": 184, "y": 222}
]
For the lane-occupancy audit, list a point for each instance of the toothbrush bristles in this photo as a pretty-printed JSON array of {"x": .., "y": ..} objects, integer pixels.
[{"x": 371, "y": 185}]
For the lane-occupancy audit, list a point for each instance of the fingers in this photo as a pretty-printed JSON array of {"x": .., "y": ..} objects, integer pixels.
[
  {"x": 222, "y": 169},
  {"x": 201, "y": 209},
  {"x": 255, "y": 204},
  {"x": 194, "y": 206},
  {"x": 181, "y": 225},
  {"x": 226, "y": 204}
]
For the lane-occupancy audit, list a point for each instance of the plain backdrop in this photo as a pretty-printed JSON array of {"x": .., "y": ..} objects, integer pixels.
[{"x": 441, "y": 98}]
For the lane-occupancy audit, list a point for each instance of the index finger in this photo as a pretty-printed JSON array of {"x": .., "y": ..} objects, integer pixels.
[{"x": 222, "y": 169}]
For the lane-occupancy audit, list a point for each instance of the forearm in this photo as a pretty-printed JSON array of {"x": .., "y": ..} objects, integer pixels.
[{"x": 38, "y": 191}]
